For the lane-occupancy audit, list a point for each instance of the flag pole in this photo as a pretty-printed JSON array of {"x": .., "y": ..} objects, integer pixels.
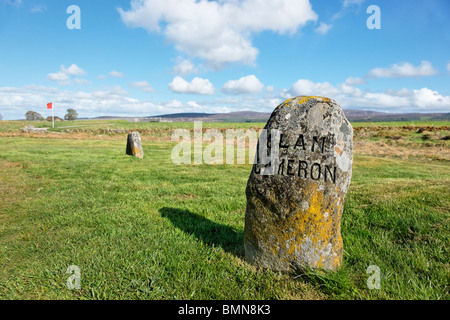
[{"x": 53, "y": 117}]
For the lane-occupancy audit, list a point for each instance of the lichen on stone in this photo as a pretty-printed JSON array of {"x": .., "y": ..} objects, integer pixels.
[{"x": 293, "y": 216}]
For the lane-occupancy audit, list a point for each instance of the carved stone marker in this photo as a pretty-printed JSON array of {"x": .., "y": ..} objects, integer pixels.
[
  {"x": 295, "y": 195},
  {"x": 134, "y": 145}
]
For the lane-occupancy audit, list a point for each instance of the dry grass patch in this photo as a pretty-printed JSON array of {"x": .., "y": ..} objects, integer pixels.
[{"x": 381, "y": 148}]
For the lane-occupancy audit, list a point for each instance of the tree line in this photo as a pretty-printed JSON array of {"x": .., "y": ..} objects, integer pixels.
[{"x": 35, "y": 116}]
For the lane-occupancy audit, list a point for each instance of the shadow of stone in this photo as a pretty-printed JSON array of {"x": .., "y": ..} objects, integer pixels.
[{"x": 209, "y": 232}]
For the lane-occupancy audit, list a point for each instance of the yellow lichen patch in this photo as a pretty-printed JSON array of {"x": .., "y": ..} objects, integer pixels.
[
  {"x": 287, "y": 101},
  {"x": 136, "y": 150},
  {"x": 309, "y": 233},
  {"x": 302, "y": 100},
  {"x": 306, "y": 98}
]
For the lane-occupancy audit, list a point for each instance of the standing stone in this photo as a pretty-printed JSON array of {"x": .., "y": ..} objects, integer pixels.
[
  {"x": 295, "y": 201},
  {"x": 134, "y": 145}
]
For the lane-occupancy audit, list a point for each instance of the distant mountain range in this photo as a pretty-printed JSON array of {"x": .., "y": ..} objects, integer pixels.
[{"x": 250, "y": 116}]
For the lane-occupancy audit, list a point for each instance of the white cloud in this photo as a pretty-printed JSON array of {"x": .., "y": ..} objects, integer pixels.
[
  {"x": 270, "y": 89},
  {"x": 426, "y": 98},
  {"x": 38, "y": 9},
  {"x": 348, "y": 96},
  {"x": 244, "y": 85},
  {"x": 403, "y": 70},
  {"x": 194, "y": 105},
  {"x": 218, "y": 32},
  {"x": 81, "y": 81},
  {"x": 173, "y": 104},
  {"x": 448, "y": 66},
  {"x": 352, "y": 81},
  {"x": 12, "y": 2},
  {"x": 143, "y": 85},
  {"x": 60, "y": 77},
  {"x": 243, "y": 103},
  {"x": 73, "y": 70},
  {"x": 323, "y": 28},
  {"x": 348, "y": 3},
  {"x": 185, "y": 67},
  {"x": 196, "y": 86},
  {"x": 15, "y": 101},
  {"x": 348, "y": 6},
  {"x": 63, "y": 76},
  {"x": 305, "y": 87},
  {"x": 116, "y": 74},
  {"x": 350, "y": 90},
  {"x": 111, "y": 101}
]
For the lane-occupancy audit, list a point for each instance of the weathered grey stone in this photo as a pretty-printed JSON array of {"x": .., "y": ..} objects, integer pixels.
[
  {"x": 295, "y": 202},
  {"x": 134, "y": 145},
  {"x": 32, "y": 129}
]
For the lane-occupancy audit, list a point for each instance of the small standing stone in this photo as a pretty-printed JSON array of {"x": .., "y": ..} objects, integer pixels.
[
  {"x": 134, "y": 145},
  {"x": 295, "y": 201}
]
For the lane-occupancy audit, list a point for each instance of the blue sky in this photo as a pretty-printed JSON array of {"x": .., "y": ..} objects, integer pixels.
[{"x": 151, "y": 57}]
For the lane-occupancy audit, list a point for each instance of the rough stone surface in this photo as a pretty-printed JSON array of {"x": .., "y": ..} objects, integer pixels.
[
  {"x": 293, "y": 213},
  {"x": 134, "y": 145},
  {"x": 32, "y": 129}
]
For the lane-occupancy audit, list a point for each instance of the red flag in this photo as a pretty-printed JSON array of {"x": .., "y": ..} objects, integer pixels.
[{"x": 49, "y": 105}]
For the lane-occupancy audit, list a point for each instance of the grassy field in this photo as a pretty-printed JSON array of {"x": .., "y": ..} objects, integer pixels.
[
  {"x": 12, "y": 126},
  {"x": 148, "y": 229}
]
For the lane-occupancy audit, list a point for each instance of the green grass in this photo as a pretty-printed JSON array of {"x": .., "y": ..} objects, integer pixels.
[
  {"x": 148, "y": 229},
  {"x": 6, "y": 126},
  {"x": 9, "y": 126}
]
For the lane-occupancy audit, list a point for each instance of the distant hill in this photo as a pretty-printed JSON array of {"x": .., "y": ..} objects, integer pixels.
[
  {"x": 251, "y": 116},
  {"x": 240, "y": 116},
  {"x": 362, "y": 115},
  {"x": 185, "y": 115}
]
